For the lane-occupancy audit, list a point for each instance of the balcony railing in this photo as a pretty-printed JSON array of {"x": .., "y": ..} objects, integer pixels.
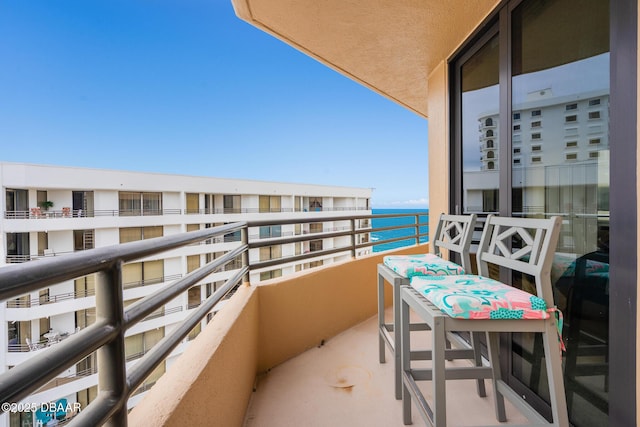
[{"x": 106, "y": 336}]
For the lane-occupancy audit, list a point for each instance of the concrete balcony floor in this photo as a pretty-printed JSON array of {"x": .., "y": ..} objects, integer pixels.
[{"x": 341, "y": 383}]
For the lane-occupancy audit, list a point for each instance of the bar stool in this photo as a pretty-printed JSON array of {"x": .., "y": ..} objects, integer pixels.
[
  {"x": 480, "y": 304},
  {"x": 453, "y": 233}
]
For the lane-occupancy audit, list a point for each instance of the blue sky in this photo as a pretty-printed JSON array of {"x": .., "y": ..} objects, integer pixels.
[{"x": 185, "y": 87}]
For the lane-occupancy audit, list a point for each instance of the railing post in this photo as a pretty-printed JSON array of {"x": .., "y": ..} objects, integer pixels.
[
  {"x": 417, "y": 229},
  {"x": 111, "y": 357},
  {"x": 244, "y": 238},
  {"x": 353, "y": 238}
]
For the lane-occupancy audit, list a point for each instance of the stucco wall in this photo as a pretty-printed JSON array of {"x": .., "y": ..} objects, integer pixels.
[
  {"x": 438, "y": 144},
  {"x": 211, "y": 383},
  {"x": 298, "y": 312}
]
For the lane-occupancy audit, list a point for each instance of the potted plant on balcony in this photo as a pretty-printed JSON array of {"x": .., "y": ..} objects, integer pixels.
[{"x": 46, "y": 205}]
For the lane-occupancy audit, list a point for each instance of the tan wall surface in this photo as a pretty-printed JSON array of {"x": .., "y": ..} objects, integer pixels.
[
  {"x": 438, "y": 144},
  {"x": 299, "y": 311},
  {"x": 211, "y": 382}
]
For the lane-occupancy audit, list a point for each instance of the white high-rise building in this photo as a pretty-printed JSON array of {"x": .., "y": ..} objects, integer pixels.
[{"x": 51, "y": 211}]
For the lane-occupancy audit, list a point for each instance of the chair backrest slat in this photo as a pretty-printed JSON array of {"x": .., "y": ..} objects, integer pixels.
[
  {"x": 534, "y": 255},
  {"x": 454, "y": 233}
]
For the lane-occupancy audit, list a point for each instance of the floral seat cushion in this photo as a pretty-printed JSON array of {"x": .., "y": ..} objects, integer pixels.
[
  {"x": 477, "y": 297},
  {"x": 422, "y": 265}
]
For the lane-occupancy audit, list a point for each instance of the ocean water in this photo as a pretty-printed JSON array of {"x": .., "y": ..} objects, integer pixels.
[{"x": 380, "y": 236}]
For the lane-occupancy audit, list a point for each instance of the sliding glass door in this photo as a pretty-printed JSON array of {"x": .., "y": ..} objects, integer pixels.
[{"x": 531, "y": 111}]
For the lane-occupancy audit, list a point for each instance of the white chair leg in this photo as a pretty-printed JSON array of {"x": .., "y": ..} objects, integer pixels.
[
  {"x": 397, "y": 340},
  {"x": 493, "y": 344},
  {"x": 438, "y": 373},
  {"x": 405, "y": 345},
  {"x": 553, "y": 361},
  {"x": 477, "y": 356},
  {"x": 381, "y": 318}
]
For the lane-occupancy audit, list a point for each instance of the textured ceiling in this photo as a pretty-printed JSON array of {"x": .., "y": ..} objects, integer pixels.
[{"x": 390, "y": 46}]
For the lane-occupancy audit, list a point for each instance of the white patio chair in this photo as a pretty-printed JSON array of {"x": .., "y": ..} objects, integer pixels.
[
  {"x": 480, "y": 304},
  {"x": 452, "y": 233}
]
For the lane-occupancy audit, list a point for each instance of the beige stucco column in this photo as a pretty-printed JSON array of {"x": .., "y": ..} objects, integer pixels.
[{"x": 438, "y": 144}]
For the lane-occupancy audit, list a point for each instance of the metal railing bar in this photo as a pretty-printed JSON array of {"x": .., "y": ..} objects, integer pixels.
[
  {"x": 22, "y": 382},
  {"x": 314, "y": 254},
  {"x": 98, "y": 412},
  {"x": 399, "y": 227},
  {"x": 14, "y": 282},
  {"x": 139, "y": 309},
  {"x": 302, "y": 238},
  {"x": 162, "y": 348},
  {"x": 106, "y": 336},
  {"x": 395, "y": 239},
  {"x": 111, "y": 356},
  {"x": 265, "y": 222}
]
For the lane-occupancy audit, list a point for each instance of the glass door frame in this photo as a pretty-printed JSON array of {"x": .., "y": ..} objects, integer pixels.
[{"x": 623, "y": 186}]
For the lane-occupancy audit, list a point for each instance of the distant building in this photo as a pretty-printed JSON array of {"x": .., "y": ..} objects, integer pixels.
[
  {"x": 559, "y": 144},
  {"x": 51, "y": 211}
]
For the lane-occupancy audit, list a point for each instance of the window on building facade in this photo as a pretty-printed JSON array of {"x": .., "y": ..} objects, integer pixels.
[
  {"x": 270, "y": 252},
  {"x": 17, "y": 202},
  {"x": 18, "y": 248},
  {"x": 83, "y": 240},
  {"x": 272, "y": 274},
  {"x": 231, "y": 203},
  {"x": 135, "y": 203},
  {"x": 270, "y": 204},
  {"x": 142, "y": 273},
  {"x": 86, "y": 396},
  {"x": 193, "y": 203},
  {"x": 269, "y": 231},
  {"x": 315, "y": 204},
  {"x": 193, "y": 263},
  {"x": 85, "y": 286},
  {"x": 209, "y": 203},
  {"x": 85, "y": 318},
  {"x": 132, "y": 234},
  {"x": 194, "y": 297},
  {"x": 82, "y": 204},
  {"x": 136, "y": 346},
  {"x": 315, "y": 245}
]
